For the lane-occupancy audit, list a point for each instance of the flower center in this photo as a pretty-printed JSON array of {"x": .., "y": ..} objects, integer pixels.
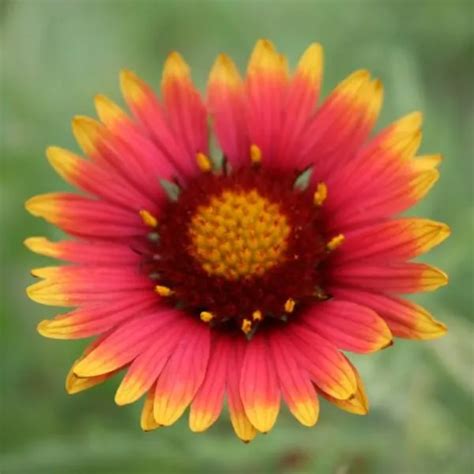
[
  {"x": 239, "y": 234},
  {"x": 242, "y": 250}
]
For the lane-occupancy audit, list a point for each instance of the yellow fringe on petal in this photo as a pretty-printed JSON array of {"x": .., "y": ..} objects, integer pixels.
[
  {"x": 132, "y": 87},
  {"x": 44, "y": 205},
  {"x": 306, "y": 412},
  {"x": 265, "y": 59},
  {"x": 426, "y": 162},
  {"x": 432, "y": 278},
  {"x": 242, "y": 426},
  {"x": 147, "y": 419},
  {"x": 64, "y": 162},
  {"x": 87, "y": 132},
  {"x": 175, "y": 69},
  {"x": 310, "y": 65},
  {"x": 75, "y": 384},
  {"x": 42, "y": 246},
  {"x": 224, "y": 73},
  {"x": 49, "y": 293},
  {"x": 422, "y": 183},
  {"x": 108, "y": 111}
]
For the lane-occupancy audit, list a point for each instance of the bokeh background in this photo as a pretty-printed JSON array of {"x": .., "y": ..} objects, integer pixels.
[{"x": 55, "y": 55}]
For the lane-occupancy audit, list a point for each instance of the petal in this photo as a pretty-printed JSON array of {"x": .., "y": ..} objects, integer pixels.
[
  {"x": 91, "y": 177},
  {"x": 184, "y": 108},
  {"x": 266, "y": 82},
  {"x": 259, "y": 385},
  {"x": 124, "y": 344},
  {"x": 401, "y": 138},
  {"x": 342, "y": 123},
  {"x": 396, "y": 278},
  {"x": 183, "y": 373},
  {"x": 327, "y": 367},
  {"x": 295, "y": 383},
  {"x": 426, "y": 162},
  {"x": 71, "y": 285},
  {"x": 384, "y": 200},
  {"x": 401, "y": 239},
  {"x": 383, "y": 179},
  {"x": 302, "y": 94},
  {"x": 111, "y": 152},
  {"x": 235, "y": 350},
  {"x": 147, "y": 419},
  {"x": 84, "y": 252},
  {"x": 349, "y": 326},
  {"x": 207, "y": 404},
  {"x": 140, "y": 147},
  {"x": 226, "y": 103},
  {"x": 146, "y": 368},
  {"x": 146, "y": 108},
  {"x": 358, "y": 404},
  {"x": 84, "y": 217},
  {"x": 92, "y": 319},
  {"x": 404, "y": 318},
  {"x": 75, "y": 384}
]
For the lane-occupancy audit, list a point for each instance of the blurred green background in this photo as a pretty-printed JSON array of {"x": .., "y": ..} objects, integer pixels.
[{"x": 55, "y": 55}]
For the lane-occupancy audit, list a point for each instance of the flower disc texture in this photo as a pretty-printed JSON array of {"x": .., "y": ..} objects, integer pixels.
[{"x": 239, "y": 275}]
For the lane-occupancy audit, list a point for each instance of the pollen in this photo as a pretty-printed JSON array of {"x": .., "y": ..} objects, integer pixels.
[
  {"x": 238, "y": 234},
  {"x": 290, "y": 305},
  {"x": 163, "y": 290},
  {"x": 320, "y": 194},
  {"x": 203, "y": 162},
  {"x": 255, "y": 154},
  {"x": 246, "y": 326},
  {"x": 206, "y": 316},
  {"x": 335, "y": 242},
  {"x": 148, "y": 218}
]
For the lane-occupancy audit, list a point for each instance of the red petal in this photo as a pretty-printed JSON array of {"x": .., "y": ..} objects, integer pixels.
[
  {"x": 124, "y": 344},
  {"x": 396, "y": 240},
  {"x": 184, "y": 108},
  {"x": 92, "y": 319},
  {"x": 259, "y": 385},
  {"x": 235, "y": 351},
  {"x": 207, "y": 404},
  {"x": 327, "y": 367},
  {"x": 266, "y": 84},
  {"x": 183, "y": 374},
  {"x": 295, "y": 383},
  {"x": 349, "y": 326},
  {"x": 404, "y": 318},
  {"x": 226, "y": 102},
  {"x": 390, "y": 278}
]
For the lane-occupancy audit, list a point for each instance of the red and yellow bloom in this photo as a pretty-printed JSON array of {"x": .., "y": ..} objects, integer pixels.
[{"x": 241, "y": 278}]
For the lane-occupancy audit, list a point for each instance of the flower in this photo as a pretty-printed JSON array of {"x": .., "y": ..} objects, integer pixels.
[{"x": 241, "y": 277}]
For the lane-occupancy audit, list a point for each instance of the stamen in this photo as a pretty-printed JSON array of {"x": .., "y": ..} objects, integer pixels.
[
  {"x": 320, "y": 294},
  {"x": 320, "y": 194},
  {"x": 203, "y": 162},
  {"x": 255, "y": 154},
  {"x": 335, "y": 242},
  {"x": 246, "y": 326},
  {"x": 148, "y": 218},
  {"x": 171, "y": 189},
  {"x": 163, "y": 290},
  {"x": 290, "y": 305},
  {"x": 206, "y": 316},
  {"x": 153, "y": 237},
  {"x": 257, "y": 315}
]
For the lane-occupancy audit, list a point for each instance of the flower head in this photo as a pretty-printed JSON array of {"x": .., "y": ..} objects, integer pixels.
[{"x": 243, "y": 275}]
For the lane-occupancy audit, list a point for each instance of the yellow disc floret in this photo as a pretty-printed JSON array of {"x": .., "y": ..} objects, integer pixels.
[{"x": 239, "y": 234}]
